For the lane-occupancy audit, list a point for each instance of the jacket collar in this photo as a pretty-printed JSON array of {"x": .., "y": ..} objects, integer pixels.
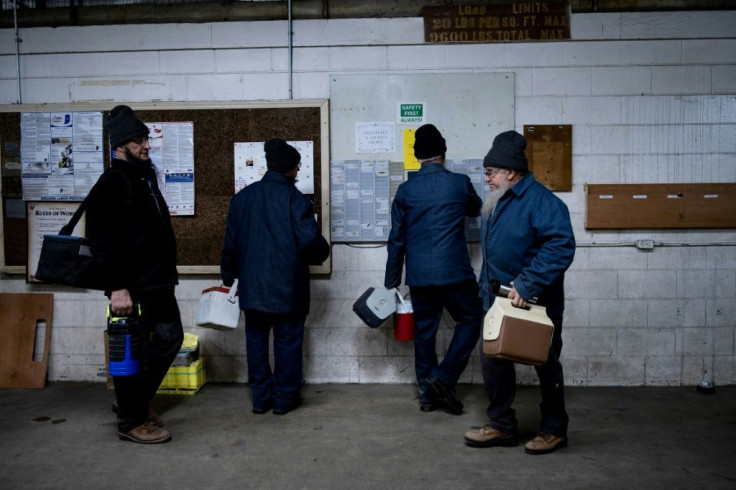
[
  {"x": 273, "y": 176},
  {"x": 427, "y": 168}
]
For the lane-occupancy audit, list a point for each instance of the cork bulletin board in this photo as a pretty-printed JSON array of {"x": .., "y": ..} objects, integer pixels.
[{"x": 217, "y": 127}]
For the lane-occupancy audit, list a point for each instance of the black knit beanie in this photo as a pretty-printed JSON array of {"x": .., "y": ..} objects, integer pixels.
[
  {"x": 428, "y": 142},
  {"x": 507, "y": 152},
  {"x": 281, "y": 156},
  {"x": 123, "y": 126}
]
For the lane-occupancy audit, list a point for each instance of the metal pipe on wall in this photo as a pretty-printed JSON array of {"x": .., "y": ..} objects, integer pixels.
[
  {"x": 291, "y": 53},
  {"x": 17, "y": 50}
]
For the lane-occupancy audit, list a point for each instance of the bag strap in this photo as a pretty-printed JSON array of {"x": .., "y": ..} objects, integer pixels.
[
  {"x": 68, "y": 228},
  {"x": 233, "y": 291}
]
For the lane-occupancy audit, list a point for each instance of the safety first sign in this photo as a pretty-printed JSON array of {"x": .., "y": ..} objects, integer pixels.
[{"x": 412, "y": 113}]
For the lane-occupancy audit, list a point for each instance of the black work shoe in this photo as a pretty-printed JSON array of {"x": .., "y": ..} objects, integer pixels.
[
  {"x": 283, "y": 410},
  {"x": 444, "y": 395},
  {"x": 426, "y": 406}
]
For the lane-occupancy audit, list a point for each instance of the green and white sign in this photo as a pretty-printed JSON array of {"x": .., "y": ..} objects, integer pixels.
[{"x": 412, "y": 113}]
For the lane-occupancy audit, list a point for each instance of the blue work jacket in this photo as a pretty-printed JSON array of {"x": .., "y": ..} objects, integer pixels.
[
  {"x": 528, "y": 240},
  {"x": 270, "y": 239},
  {"x": 428, "y": 228}
]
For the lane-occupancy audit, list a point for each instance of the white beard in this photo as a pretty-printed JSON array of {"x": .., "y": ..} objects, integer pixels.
[{"x": 491, "y": 199}]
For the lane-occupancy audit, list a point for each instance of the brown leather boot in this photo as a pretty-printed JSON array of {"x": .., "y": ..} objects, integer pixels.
[
  {"x": 145, "y": 434},
  {"x": 489, "y": 437},
  {"x": 544, "y": 443}
]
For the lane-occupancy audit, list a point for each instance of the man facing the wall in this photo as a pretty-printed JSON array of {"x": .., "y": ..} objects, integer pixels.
[
  {"x": 270, "y": 239},
  {"x": 130, "y": 231},
  {"x": 428, "y": 228},
  {"x": 527, "y": 243}
]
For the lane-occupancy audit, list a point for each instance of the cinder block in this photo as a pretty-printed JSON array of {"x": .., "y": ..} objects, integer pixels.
[
  {"x": 723, "y": 77},
  {"x": 725, "y": 286},
  {"x": 251, "y": 34},
  {"x": 721, "y": 313},
  {"x": 622, "y": 80},
  {"x": 646, "y": 342},
  {"x": 332, "y": 369},
  {"x": 592, "y": 26},
  {"x": 523, "y": 55},
  {"x": 617, "y": 258},
  {"x": 592, "y": 110},
  {"x": 477, "y": 56},
  {"x": 670, "y": 313},
  {"x": 645, "y": 284},
  {"x": 422, "y": 57},
  {"x": 709, "y": 51},
  {"x": 392, "y": 370},
  {"x": 312, "y": 85},
  {"x": 663, "y": 371},
  {"x": 577, "y": 313},
  {"x": 575, "y": 369},
  {"x": 616, "y": 371},
  {"x": 590, "y": 284},
  {"x": 358, "y": 58},
  {"x": 244, "y": 60},
  {"x": 562, "y": 81},
  {"x": 589, "y": 341},
  {"x": 681, "y": 80},
  {"x": 721, "y": 257},
  {"x": 678, "y": 258},
  {"x": 618, "y": 313},
  {"x": 664, "y": 25},
  {"x": 539, "y": 110},
  {"x": 600, "y": 53},
  {"x": 649, "y": 53}
]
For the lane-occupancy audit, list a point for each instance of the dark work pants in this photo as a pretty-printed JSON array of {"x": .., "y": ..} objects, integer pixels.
[
  {"x": 162, "y": 335},
  {"x": 281, "y": 387},
  {"x": 466, "y": 309},
  {"x": 499, "y": 378}
]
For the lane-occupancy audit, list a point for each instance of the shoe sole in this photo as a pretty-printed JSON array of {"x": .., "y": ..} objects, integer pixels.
[
  {"x": 443, "y": 397},
  {"x": 537, "y": 452},
  {"x": 510, "y": 442},
  {"x": 125, "y": 437},
  {"x": 426, "y": 408}
]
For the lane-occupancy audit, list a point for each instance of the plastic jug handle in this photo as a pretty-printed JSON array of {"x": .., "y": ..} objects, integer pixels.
[
  {"x": 233, "y": 291},
  {"x": 400, "y": 298}
]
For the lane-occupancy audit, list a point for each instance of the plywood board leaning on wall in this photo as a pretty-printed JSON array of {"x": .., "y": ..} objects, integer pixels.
[{"x": 25, "y": 335}]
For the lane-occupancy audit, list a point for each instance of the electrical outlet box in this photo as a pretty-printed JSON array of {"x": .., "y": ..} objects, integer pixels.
[{"x": 645, "y": 244}]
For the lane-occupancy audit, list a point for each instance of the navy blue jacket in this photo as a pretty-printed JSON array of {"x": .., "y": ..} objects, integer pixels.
[
  {"x": 129, "y": 229},
  {"x": 270, "y": 240},
  {"x": 528, "y": 240},
  {"x": 428, "y": 227}
]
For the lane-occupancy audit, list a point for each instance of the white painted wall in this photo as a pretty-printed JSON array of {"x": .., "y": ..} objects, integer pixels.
[{"x": 651, "y": 97}]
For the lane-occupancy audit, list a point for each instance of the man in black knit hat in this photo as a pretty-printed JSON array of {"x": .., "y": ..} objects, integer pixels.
[
  {"x": 428, "y": 229},
  {"x": 528, "y": 243},
  {"x": 129, "y": 227},
  {"x": 270, "y": 240}
]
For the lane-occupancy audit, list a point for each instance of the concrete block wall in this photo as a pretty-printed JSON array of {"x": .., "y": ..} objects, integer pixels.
[{"x": 651, "y": 98}]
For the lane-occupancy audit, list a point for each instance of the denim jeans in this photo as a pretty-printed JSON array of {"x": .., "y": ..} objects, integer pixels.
[
  {"x": 465, "y": 308},
  {"x": 281, "y": 387}
]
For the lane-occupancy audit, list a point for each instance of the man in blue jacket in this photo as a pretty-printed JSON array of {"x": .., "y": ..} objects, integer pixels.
[
  {"x": 528, "y": 243},
  {"x": 270, "y": 240},
  {"x": 428, "y": 228}
]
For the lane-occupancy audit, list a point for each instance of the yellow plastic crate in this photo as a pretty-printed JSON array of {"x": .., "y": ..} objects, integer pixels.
[{"x": 184, "y": 380}]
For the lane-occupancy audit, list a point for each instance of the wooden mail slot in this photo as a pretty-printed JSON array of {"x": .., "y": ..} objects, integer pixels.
[{"x": 611, "y": 206}]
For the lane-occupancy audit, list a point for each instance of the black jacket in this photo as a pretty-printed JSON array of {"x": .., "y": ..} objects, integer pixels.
[
  {"x": 129, "y": 227},
  {"x": 270, "y": 240}
]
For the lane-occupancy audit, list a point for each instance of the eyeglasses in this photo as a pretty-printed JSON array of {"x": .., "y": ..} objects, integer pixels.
[
  {"x": 491, "y": 172},
  {"x": 140, "y": 141}
]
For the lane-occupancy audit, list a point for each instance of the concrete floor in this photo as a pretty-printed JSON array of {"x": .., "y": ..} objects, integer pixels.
[{"x": 365, "y": 436}]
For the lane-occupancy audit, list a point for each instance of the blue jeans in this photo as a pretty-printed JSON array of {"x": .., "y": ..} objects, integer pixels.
[
  {"x": 281, "y": 387},
  {"x": 465, "y": 308},
  {"x": 499, "y": 378}
]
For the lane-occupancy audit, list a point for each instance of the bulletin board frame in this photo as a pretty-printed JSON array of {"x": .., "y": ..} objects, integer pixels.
[{"x": 259, "y": 120}]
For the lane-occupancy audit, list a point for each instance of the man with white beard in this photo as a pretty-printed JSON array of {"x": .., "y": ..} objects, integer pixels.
[{"x": 528, "y": 243}]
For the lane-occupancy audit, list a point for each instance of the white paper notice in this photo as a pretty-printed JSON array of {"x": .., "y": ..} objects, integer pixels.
[
  {"x": 172, "y": 151},
  {"x": 250, "y": 164},
  {"x": 375, "y": 137}
]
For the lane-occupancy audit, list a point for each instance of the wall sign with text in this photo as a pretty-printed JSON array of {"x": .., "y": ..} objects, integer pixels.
[{"x": 497, "y": 23}]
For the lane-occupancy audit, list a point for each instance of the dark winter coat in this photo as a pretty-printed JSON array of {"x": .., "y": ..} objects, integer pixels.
[
  {"x": 130, "y": 231},
  {"x": 270, "y": 239},
  {"x": 428, "y": 227}
]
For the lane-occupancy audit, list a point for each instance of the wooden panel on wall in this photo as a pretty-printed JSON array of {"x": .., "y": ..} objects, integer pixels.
[
  {"x": 549, "y": 151},
  {"x": 621, "y": 206}
]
